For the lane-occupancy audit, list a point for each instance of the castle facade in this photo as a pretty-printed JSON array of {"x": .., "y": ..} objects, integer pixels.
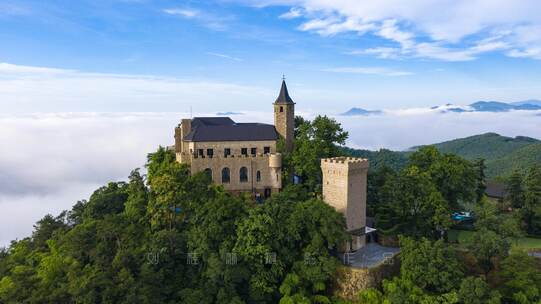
[{"x": 242, "y": 157}]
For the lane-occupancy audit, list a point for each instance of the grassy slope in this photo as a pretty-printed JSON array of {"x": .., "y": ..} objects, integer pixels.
[{"x": 523, "y": 243}]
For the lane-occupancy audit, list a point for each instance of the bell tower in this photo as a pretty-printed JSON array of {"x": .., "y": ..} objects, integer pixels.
[{"x": 284, "y": 116}]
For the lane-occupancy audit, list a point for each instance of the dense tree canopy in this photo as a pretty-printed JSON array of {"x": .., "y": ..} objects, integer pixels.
[
  {"x": 419, "y": 199},
  {"x": 314, "y": 140},
  {"x": 176, "y": 238}
]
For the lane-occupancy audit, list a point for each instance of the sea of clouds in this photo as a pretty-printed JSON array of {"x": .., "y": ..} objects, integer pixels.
[{"x": 50, "y": 161}]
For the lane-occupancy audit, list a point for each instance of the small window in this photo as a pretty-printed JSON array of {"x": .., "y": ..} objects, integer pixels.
[
  {"x": 208, "y": 172},
  {"x": 200, "y": 152},
  {"x": 266, "y": 150},
  {"x": 281, "y": 109},
  {"x": 258, "y": 176},
  {"x": 254, "y": 151},
  {"x": 244, "y": 151},
  {"x": 226, "y": 176},
  {"x": 210, "y": 153},
  {"x": 227, "y": 152},
  {"x": 243, "y": 175}
]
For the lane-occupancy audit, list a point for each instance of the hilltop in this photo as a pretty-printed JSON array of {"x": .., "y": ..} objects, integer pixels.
[{"x": 502, "y": 154}]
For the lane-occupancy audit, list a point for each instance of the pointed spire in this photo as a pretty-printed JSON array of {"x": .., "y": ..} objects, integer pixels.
[{"x": 283, "y": 97}]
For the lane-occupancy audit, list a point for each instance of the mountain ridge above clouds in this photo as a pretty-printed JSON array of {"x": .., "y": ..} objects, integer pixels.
[{"x": 479, "y": 106}]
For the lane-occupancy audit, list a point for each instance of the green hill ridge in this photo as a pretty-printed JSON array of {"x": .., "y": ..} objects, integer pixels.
[{"x": 502, "y": 154}]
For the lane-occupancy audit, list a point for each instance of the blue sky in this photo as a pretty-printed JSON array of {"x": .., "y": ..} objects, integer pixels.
[{"x": 335, "y": 54}]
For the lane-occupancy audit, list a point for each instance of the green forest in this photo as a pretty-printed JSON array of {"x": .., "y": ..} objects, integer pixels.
[{"x": 169, "y": 236}]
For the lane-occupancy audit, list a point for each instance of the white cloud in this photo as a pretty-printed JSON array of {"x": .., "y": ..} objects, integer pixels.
[
  {"x": 224, "y": 56},
  {"x": 211, "y": 21},
  {"x": 369, "y": 70},
  {"x": 41, "y": 89},
  {"x": 293, "y": 13},
  {"x": 443, "y": 30},
  {"x": 186, "y": 13},
  {"x": 49, "y": 161},
  {"x": 7, "y": 69}
]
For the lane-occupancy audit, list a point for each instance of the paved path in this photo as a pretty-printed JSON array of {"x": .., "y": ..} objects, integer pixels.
[{"x": 369, "y": 256}]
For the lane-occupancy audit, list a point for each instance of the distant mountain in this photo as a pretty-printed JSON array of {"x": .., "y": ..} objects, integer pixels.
[
  {"x": 527, "y": 102},
  {"x": 491, "y": 106},
  {"x": 228, "y": 113},
  {"x": 360, "y": 112},
  {"x": 451, "y": 108},
  {"x": 495, "y": 106}
]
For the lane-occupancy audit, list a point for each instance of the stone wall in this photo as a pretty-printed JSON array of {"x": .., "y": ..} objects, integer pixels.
[
  {"x": 269, "y": 166},
  {"x": 349, "y": 281}
]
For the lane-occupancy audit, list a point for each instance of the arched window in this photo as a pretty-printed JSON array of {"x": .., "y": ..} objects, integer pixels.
[
  {"x": 226, "y": 176},
  {"x": 281, "y": 109},
  {"x": 243, "y": 175},
  {"x": 258, "y": 175},
  {"x": 208, "y": 171}
]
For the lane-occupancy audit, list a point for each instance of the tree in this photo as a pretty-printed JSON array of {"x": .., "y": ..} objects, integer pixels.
[
  {"x": 487, "y": 217},
  {"x": 515, "y": 190},
  {"x": 136, "y": 203},
  {"x": 480, "y": 166},
  {"x": 429, "y": 273},
  {"x": 521, "y": 279},
  {"x": 532, "y": 200},
  {"x": 454, "y": 177},
  {"x": 413, "y": 206},
  {"x": 431, "y": 266},
  {"x": 278, "y": 238},
  {"x": 474, "y": 290},
  {"x": 487, "y": 247},
  {"x": 45, "y": 228},
  {"x": 314, "y": 140},
  {"x": 375, "y": 185}
]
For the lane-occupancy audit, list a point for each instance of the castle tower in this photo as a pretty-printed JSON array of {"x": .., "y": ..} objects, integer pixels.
[
  {"x": 284, "y": 116},
  {"x": 344, "y": 188}
]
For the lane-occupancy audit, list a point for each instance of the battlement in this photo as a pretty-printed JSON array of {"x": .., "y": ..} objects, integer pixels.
[{"x": 345, "y": 162}]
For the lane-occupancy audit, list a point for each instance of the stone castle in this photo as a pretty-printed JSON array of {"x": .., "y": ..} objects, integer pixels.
[
  {"x": 240, "y": 156},
  {"x": 243, "y": 158}
]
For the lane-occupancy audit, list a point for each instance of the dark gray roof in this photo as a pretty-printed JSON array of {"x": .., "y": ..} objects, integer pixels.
[
  {"x": 283, "y": 97},
  {"x": 225, "y": 129},
  {"x": 495, "y": 190},
  {"x": 211, "y": 121}
]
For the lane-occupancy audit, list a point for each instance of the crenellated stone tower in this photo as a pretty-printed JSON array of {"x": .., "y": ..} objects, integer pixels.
[
  {"x": 344, "y": 188},
  {"x": 284, "y": 117}
]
